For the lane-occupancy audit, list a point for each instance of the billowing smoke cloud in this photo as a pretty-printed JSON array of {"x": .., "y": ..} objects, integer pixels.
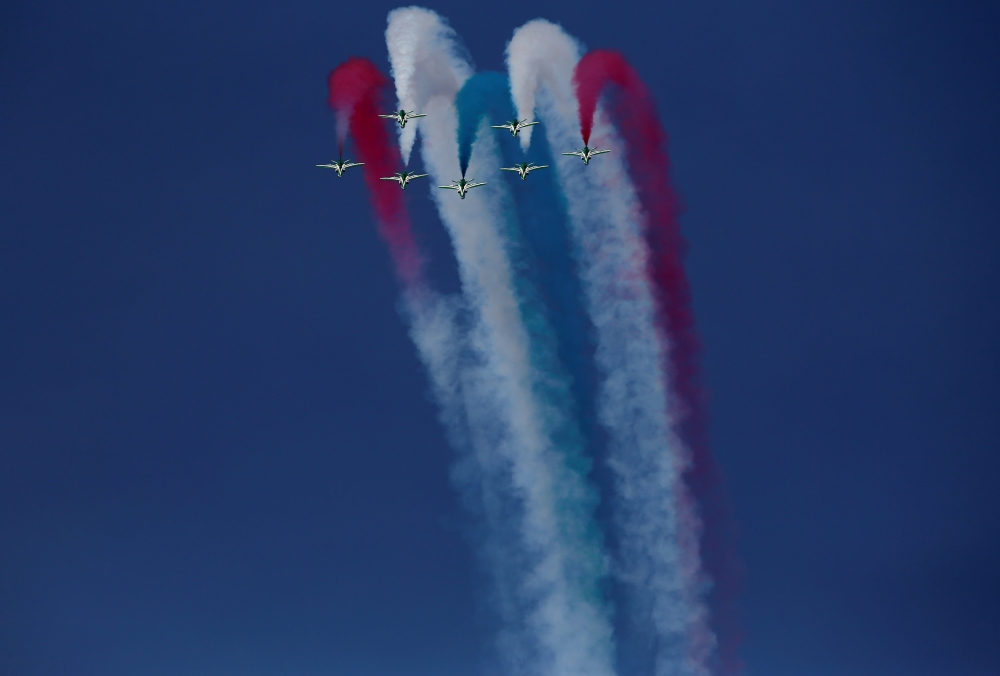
[{"x": 573, "y": 307}]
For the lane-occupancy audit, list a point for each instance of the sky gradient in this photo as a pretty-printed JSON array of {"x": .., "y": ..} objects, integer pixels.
[{"x": 217, "y": 450}]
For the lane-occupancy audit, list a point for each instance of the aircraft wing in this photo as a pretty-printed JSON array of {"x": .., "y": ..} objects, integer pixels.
[
  {"x": 410, "y": 116},
  {"x": 528, "y": 124},
  {"x": 449, "y": 187},
  {"x": 575, "y": 154},
  {"x": 540, "y": 166},
  {"x": 501, "y": 126},
  {"x": 599, "y": 152},
  {"x": 388, "y": 117},
  {"x": 475, "y": 185},
  {"x": 413, "y": 176},
  {"x": 501, "y": 168},
  {"x": 388, "y": 178},
  {"x": 328, "y": 166}
]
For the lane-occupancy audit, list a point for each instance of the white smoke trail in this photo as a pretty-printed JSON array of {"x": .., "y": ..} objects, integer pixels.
[
  {"x": 420, "y": 43},
  {"x": 656, "y": 526},
  {"x": 556, "y": 626},
  {"x": 538, "y": 57},
  {"x": 434, "y": 329}
]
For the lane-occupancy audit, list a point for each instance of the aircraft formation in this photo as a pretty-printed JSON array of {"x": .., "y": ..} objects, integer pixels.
[{"x": 462, "y": 186}]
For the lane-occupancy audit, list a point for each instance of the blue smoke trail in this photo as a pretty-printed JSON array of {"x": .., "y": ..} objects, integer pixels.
[
  {"x": 542, "y": 248},
  {"x": 518, "y": 367},
  {"x": 547, "y": 288},
  {"x": 486, "y": 95},
  {"x": 526, "y": 461}
]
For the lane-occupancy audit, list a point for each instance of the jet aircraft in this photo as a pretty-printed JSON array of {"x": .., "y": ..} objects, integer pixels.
[
  {"x": 402, "y": 116},
  {"x": 340, "y": 166},
  {"x": 586, "y": 153},
  {"x": 513, "y": 126},
  {"x": 462, "y": 186},
  {"x": 403, "y": 177},
  {"x": 524, "y": 168}
]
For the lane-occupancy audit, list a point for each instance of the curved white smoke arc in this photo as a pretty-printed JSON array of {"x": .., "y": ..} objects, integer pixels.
[
  {"x": 421, "y": 43},
  {"x": 555, "y": 627},
  {"x": 654, "y": 518},
  {"x": 538, "y": 56}
]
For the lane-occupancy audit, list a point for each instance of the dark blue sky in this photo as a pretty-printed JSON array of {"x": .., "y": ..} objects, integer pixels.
[{"x": 217, "y": 454}]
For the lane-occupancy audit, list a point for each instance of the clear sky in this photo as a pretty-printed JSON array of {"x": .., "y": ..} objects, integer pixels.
[{"x": 217, "y": 451}]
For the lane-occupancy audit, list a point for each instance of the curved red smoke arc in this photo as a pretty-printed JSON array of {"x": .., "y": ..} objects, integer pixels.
[
  {"x": 634, "y": 113},
  {"x": 356, "y": 91}
]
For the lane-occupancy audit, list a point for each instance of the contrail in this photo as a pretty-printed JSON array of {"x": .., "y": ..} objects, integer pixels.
[
  {"x": 656, "y": 529},
  {"x": 356, "y": 88},
  {"x": 356, "y": 94},
  {"x": 540, "y": 249},
  {"x": 572, "y": 339},
  {"x": 534, "y": 71},
  {"x": 548, "y": 574},
  {"x": 537, "y": 243},
  {"x": 633, "y": 111}
]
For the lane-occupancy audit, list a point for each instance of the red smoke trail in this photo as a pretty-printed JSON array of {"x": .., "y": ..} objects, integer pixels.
[
  {"x": 356, "y": 92},
  {"x": 634, "y": 113}
]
